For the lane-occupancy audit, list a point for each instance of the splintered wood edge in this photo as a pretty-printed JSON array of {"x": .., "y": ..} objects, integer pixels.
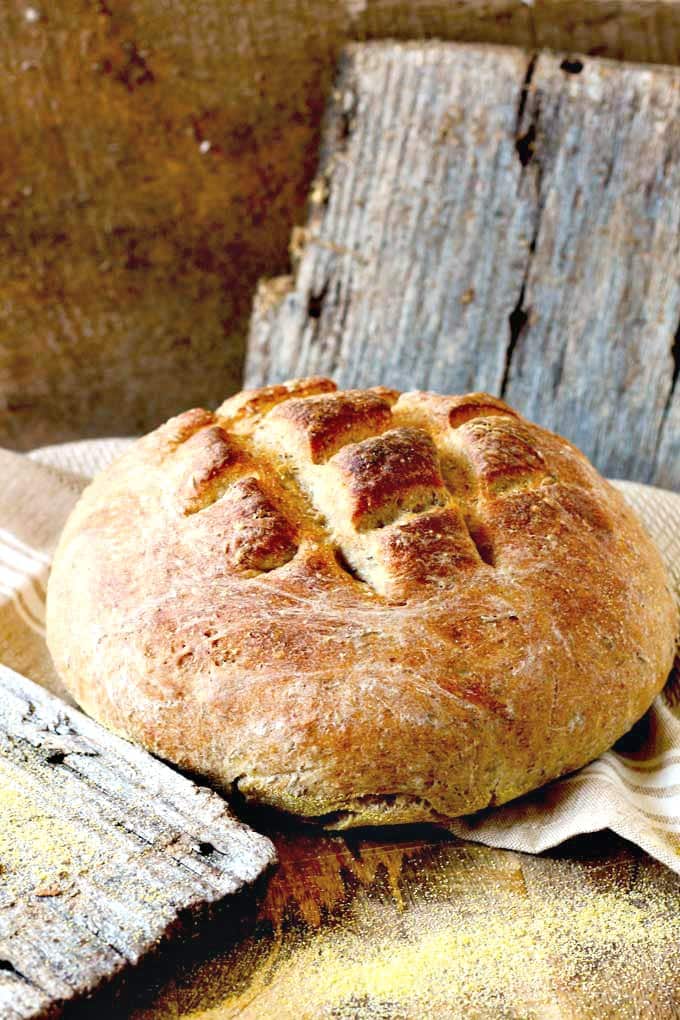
[{"x": 163, "y": 847}]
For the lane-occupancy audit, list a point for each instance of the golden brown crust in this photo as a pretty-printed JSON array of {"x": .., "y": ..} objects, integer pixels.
[
  {"x": 321, "y": 425},
  {"x": 389, "y": 475},
  {"x": 206, "y": 460},
  {"x": 249, "y": 405},
  {"x": 501, "y": 452},
  {"x": 361, "y": 606},
  {"x": 257, "y": 535}
]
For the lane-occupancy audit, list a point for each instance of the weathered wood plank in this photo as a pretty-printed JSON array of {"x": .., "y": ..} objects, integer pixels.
[
  {"x": 483, "y": 219},
  {"x": 155, "y": 156},
  {"x": 102, "y": 849},
  {"x": 599, "y": 314},
  {"x": 416, "y": 243}
]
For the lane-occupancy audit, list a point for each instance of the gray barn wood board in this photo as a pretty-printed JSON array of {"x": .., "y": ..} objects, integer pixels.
[
  {"x": 102, "y": 849},
  {"x": 487, "y": 218}
]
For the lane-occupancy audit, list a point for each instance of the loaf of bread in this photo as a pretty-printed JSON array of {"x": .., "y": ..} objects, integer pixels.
[{"x": 363, "y": 607}]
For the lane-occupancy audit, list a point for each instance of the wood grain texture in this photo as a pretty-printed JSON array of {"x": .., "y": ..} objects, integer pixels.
[
  {"x": 103, "y": 851},
  {"x": 155, "y": 157},
  {"x": 421, "y": 925},
  {"x": 486, "y": 218},
  {"x": 595, "y": 352}
]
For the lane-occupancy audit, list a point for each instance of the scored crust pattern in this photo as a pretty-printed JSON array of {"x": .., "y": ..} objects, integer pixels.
[
  {"x": 394, "y": 484},
  {"x": 363, "y": 606}
]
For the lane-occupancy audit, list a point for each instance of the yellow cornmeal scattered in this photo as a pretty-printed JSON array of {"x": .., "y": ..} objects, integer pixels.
[
  {"x": 38, "y": 849},
  {"x": 41, "y": 853},
  {"x": 443, "y": 964},
  {"x": 488, "y": 948},
  {"x": 430, "y": 934},
  {"x": 44, "y": 852}
]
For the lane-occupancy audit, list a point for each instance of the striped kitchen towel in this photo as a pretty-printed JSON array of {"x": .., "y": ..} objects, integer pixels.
[{"x": 633, "y": 789}]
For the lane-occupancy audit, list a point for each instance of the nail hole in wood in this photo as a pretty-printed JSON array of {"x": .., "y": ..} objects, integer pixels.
[{"x": 572, "y": 66}]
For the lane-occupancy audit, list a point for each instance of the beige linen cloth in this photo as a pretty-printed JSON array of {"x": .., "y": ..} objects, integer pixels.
[{"x": 633, "y": 789}]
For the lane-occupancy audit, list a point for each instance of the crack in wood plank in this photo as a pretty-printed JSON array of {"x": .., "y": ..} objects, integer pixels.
[{"x": 672, "y": 389}]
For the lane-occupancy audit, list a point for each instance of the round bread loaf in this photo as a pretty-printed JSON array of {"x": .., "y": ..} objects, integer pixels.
[{"x": 361, "y": 606}]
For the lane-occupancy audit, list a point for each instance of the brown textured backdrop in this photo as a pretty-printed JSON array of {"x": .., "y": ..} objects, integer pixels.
[{"x": 153, "y": 158}]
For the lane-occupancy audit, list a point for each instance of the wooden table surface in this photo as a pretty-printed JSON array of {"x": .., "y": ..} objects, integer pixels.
[{"x": 393, "y": 925}]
